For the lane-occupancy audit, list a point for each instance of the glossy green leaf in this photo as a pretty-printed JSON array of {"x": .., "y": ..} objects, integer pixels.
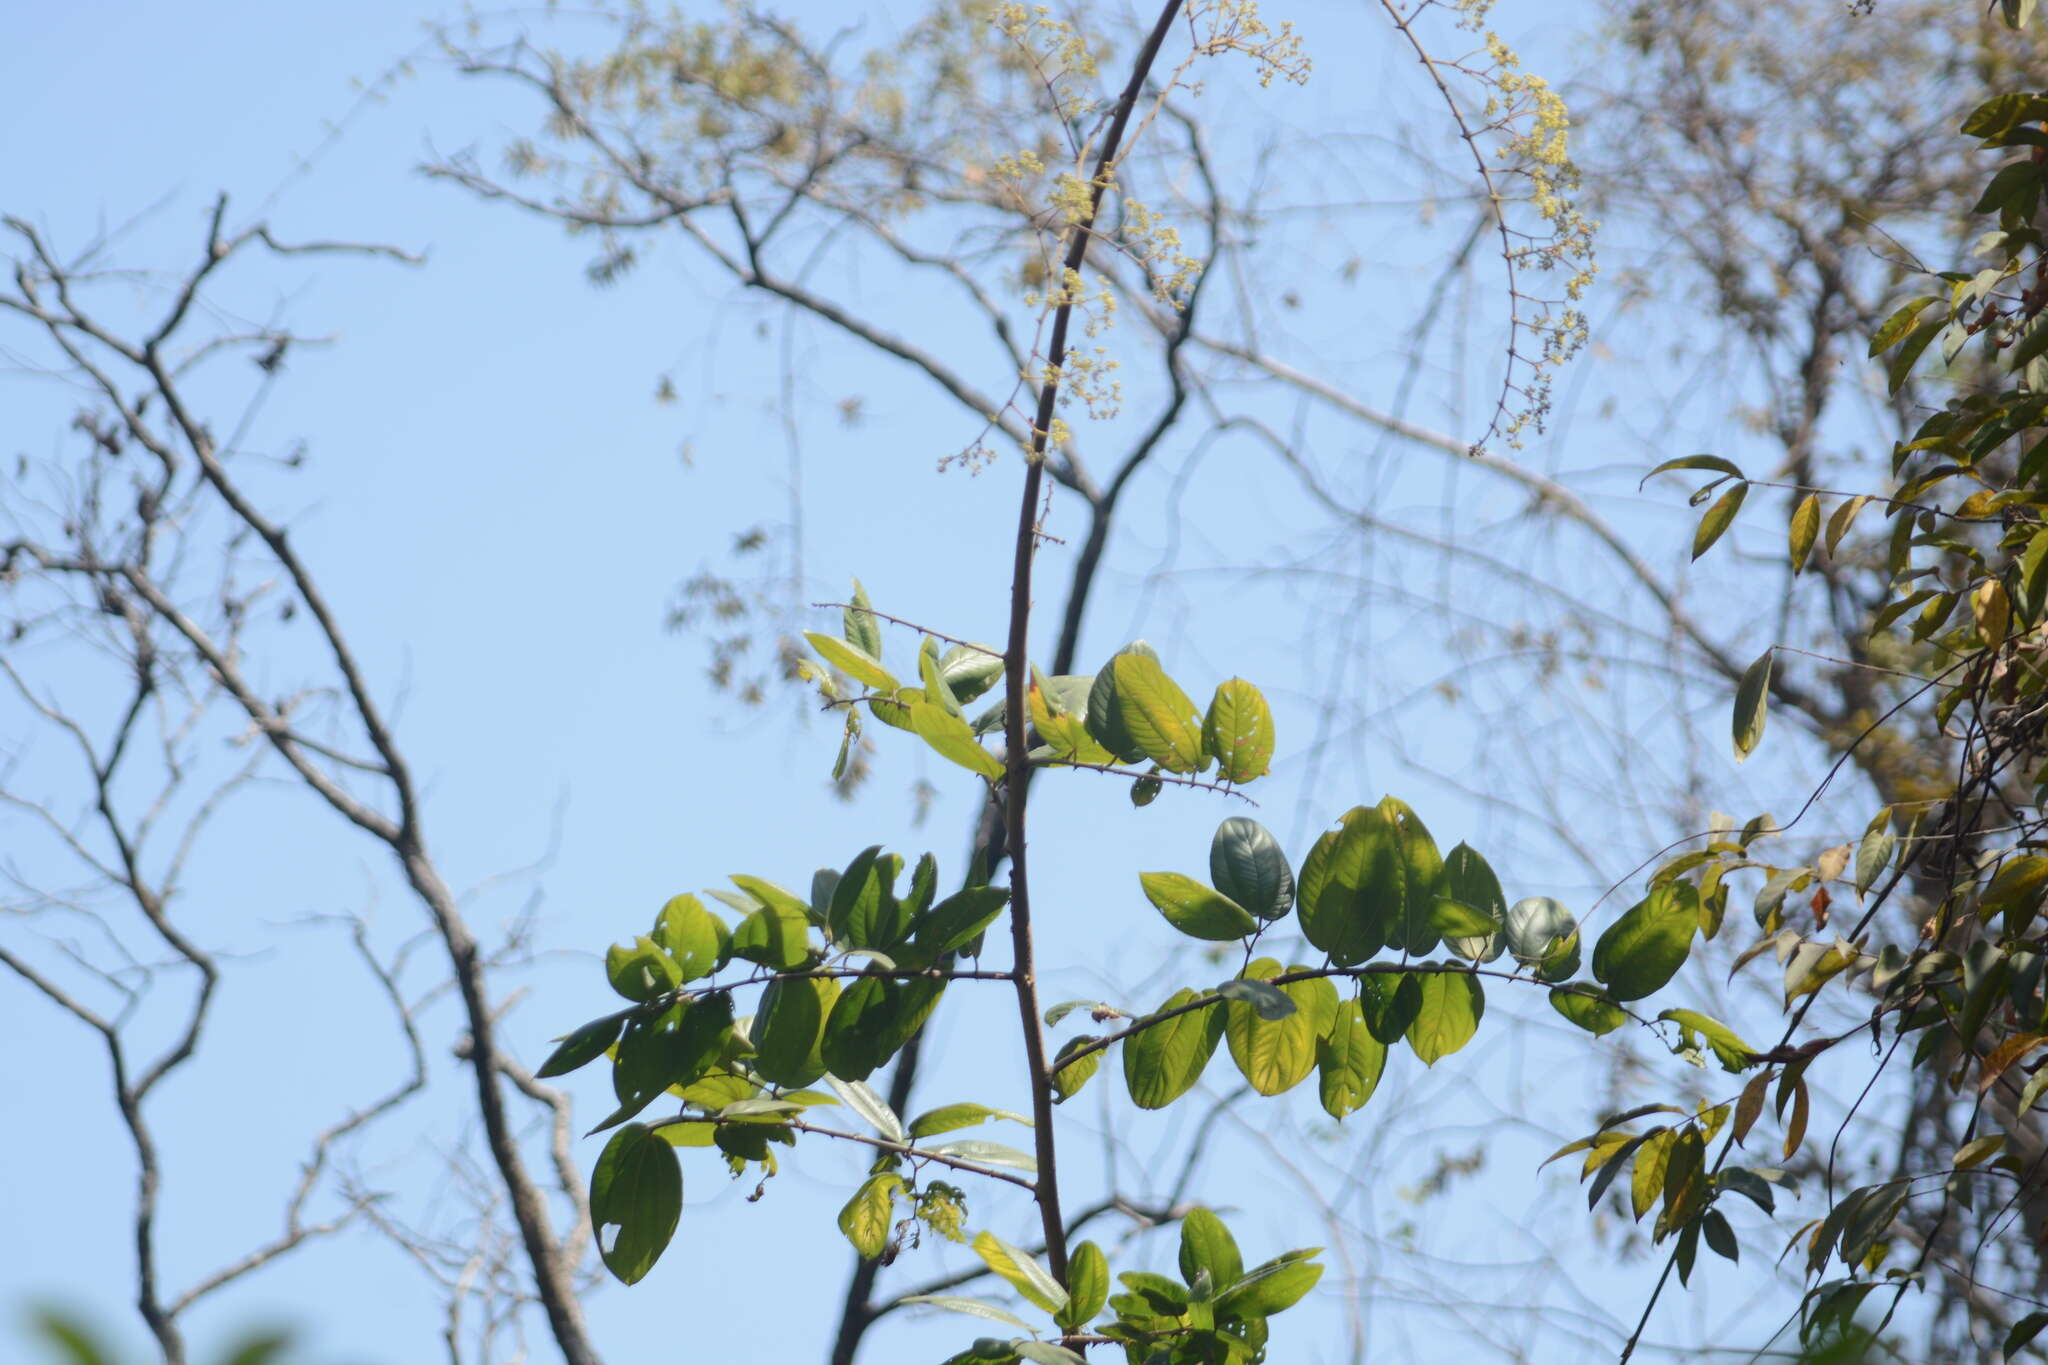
[
  {"x": 1163, "y": 1061},
  {"x": 863, "y": 1100},
  {"x": 636, "y": 1199},
  {"x": 1752, "y": 699},
  {"x": 1087, "y": 1286},
  {"x": 1247, "y": 864},
  {"x": 855, "y": 662},
  {"x": 1264, "y": 998},
  {"x": 697, "y": 939},
  {"x": 1589, "y": 1009},
  {"x": 868, "y": 1215},
  {"x": 1645, "y": 947},
  {"x": 1238, "y": 731},
  {"x": 789, "y": 1029},
  {"x": 1158, "y": 716},
  {"x": 987, "y": 1153},
  {"x": 970, "y": 670},
  {"x": 583, "y": 1046},
  {"x": 641, "y": 971},
  {"x": 1718, "y": 519},
  {"x": 1451, "y": 1007},
  {"x": 1535, "y": 924},
  {"x": 1196, "y": 910},
  {"x": 1270, "y": 1288},
  {"x": 1349, "y": 1062},
  {"x": 1021, "y": 1270},
  {"x": 1351, "y": 886},
  {"x": 950, "y": 738}
]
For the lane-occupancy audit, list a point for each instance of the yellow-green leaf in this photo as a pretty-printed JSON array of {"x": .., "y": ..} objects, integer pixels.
[
  {"x": 952, "y": 739},
  {"x": 1163, "y": 1061},
  {"x": 1276, "y": 1055},
  {"x": 855, "y": 662},
  {"x": 1022, "y": 1270},
  {"x": 1238, "y": 731},
  {"x": 1349, "y": 1062},
  {"x": 1196, "y": 910},
  {"x": 1452, "y": 1005},
  {"x": 1718, "y": 519},
  {"x": 1805, "y": 527},
  {"x": 1752, "y": 703},
  {"x": 866, "y": 1218},
  {"x": 1158, "y": 715}
]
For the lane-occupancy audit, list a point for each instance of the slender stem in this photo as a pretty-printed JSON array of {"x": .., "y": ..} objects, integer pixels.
[{"x": 1017, "y": 777}]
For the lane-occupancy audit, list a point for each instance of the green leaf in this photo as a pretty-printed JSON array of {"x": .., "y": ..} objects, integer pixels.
[
  {"x": 1901, "y": 363},
  {"x": 1068, "y": 1077},
  {"x": 1266, "y": 1000},
  {"x": 950, "y": 738},
  {"x": 961, "y": 918},
  {"x": 1590, "y": 1010},
  {"x": 1196, "y": 910},
  {"x": 774, "y": 937},
  {"x": 2023, "y": 1332},
  {"x": 583, "y": 1046},
  {"x": 857, "y": 898},
  {"x": 1453, "y": 918},
  {"x": 935, "y": 689},
  {"x": 970, "y": 670},
  {"x": 1728, "y": 1048},
  {"x": 1157, "y": 714},
  {"x": 872, "y": 1020},
  {"x": 987, "y": 1153},
  {"x": 1645, "y": 947},
  {"x": 1276, "y": 1055},
  {"x": 1718, "y": 519},
  {"x": 1752, "y": 697},
  {"x": 953, "y": 1303},
  {"x": 1390, "y": 1001},
  {"x": 1246, "y": 864},
  {"x": 1805, "y": 528},
  {"x": 1422, "y": 881},
  {"x": 866, "y": 1218},
  {"x": 966, "y": 1114},
  {"x": 697, "y": 939},
  {"x": 1352, "y": 886},
  {"x": 1349, "y": 1062},
  {"x": 1841, "y": 519},
  {"x": 1898, "y": 324},
  {"x": 642, "y": 971},
  {"x": 1874, "y": 851},
  {"x": 1452, "y": 1005},
  {"x": 1021, "y": 1270},
  {"x": 1205, "y": 1244},
  {"x": 636, "y": 1198},
  {"x": 1470, "y": 882},
  {"x": 859, "y": 625},
  {"x": 789, "y": 1029},
  {"x": 1713, "y": 462},
  {"x": 862, "y": 1099},
  {"x": 1270, "y": 1288},
  {"x": 1163, "y": 1060},
  {"x": 1238, "y": 731},
  {"x": 1046, "y": 1353},
  {"x": 1104, "y": 716},
  {"x": 1087, "y": 1286},
  {"x": 855, "y": 662}
]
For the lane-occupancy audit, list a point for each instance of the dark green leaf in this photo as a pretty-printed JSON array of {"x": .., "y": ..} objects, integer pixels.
[
  {"x": 636, "y": 1198},
  {"x": 1752, "y": 697},
  {"x": 960, "y": 918},
  {"x": 1268, "y": 1001},
  {"x": 1422, "y": 881},
  {"x": 1246, "y": 864},
  {"x": 1720, "y": 1237},
  {"x": 1713, "y": 462},
  {"x": 1352, "y": 886},
  {"x": 583, "y": 1046},
  {"x": 1470, "y": 882},
  {"x": 789, "y": 1029},
  {"x": 1390, "y": 1001},
  {"x": 2023, "y": 1332}
]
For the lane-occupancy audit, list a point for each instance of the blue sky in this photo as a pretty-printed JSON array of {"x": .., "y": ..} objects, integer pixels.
[{"x": 501, "y": 513}]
